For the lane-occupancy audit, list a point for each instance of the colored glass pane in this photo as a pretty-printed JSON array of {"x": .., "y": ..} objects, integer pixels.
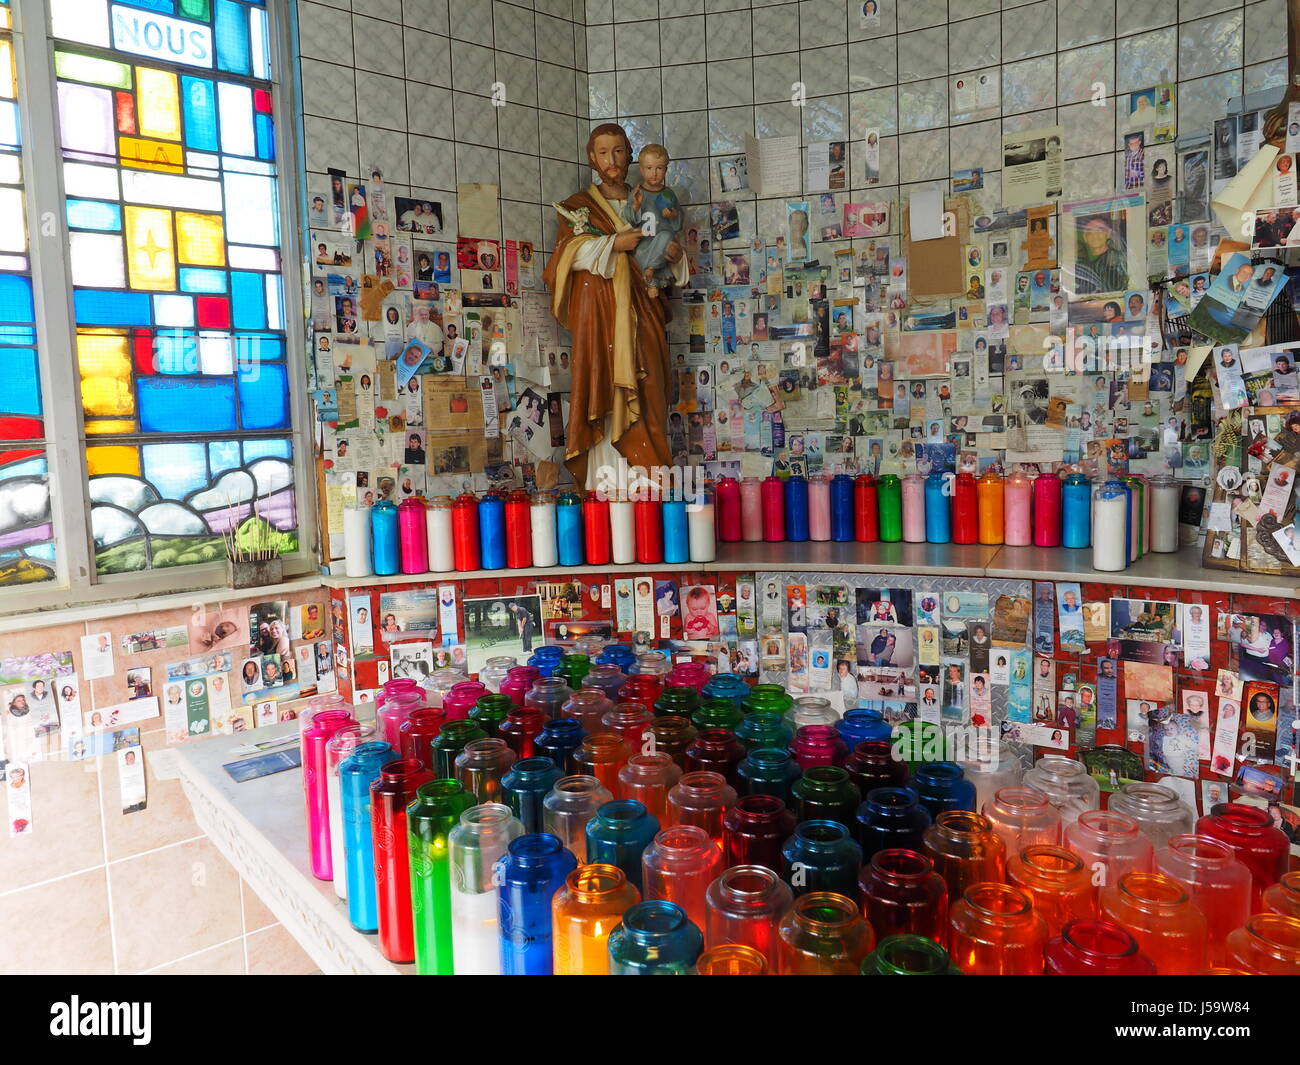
[
  {"x": 200, "y": 239},
  {"x": 160, "y": 103}
]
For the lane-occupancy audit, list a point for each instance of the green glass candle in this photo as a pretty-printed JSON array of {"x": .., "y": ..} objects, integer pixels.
[
  {"x": 673, "y": 733},
  {"x": 718, "y": 713},
  {"x": 889, "y": 496},
  {"x": 825, "y": 793},
  {"x": 430, "y": 817},
  {"x": 764, "y": 728},
  {"x": 677, "y": 699},
  {"x": 490, "y": 713},
  {"x": 450, "y": 742},
  {"x": 768, "y": 698},
  {"x": 908, "y": 956},
  {"x": 572, "y": 669}
]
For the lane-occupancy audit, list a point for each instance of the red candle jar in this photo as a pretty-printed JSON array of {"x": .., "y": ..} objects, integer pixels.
[
  {"x": 519, "y": 530},
  {"x": 629, "y": 720},
  {"x": 1159, "y": 913},
  {"x": 965, "y": 850},
  {"x": 648, "y": 522},
  {"x": 866, "y": 515},
  {"x": 754, "y": 829},
  {"x": 1047, "y": 510},
  {"x": 994, "y": 931},
  {"x": 641, "y": 688},
  {"x": 1259, "y": 846},
  {"x": 745, "y": 905},
  {"x": 518, "y": 682},
  {"x": 716, "y": 750},
  {"x": 520, "y": 730},
  {"x": 1218, "y": 884},
  {"x": 902, "y": 894},
  {"x": 818, "y": 745},
  {"x": 679, "y": 866},
  {"x": 389, "y": 797},
  {"x": 418, "y": 731},
  {"x": 965, "y": 510},
  {"x": 726, "y": 498},
  {"x": 595, "y": 529},
  {"x": 602, "y": 756},
  {"x": 1058, "y": 882},
  {"x": 648, "y": 778},
  {"x": 872, "y": 765},
  {"x": 773, "y": 509},
  {"x": 464, "y": 533},
  {"x": 1095, "y": 948},
  {"x": 701, "y": 799}
]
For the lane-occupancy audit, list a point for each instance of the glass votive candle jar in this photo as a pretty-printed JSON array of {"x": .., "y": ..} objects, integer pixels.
[
  {"x": 1259, "y": 845},
  {"x": 818, "y": 745},
  {"x": 655, "y": 938},
  {"x": 965, "y": 850},
  {"x": 994, "y": 931},
  {"x": 754, "y": 829},
  {"x": 902, "y": 894},
  {"x": 1283, "y": 897},
  {"x": 1066, "y": 783},
  {"x": 701, "y": 799},
  {"x": 825, "y": 793},
  {"x": 872, "y": 765},
  {"x": 908, "y": 956},
  {"x": 744, "y": 905},
  {"x": 715, "y": 750},
  {"x": 768, "y": 771},
  {"x": 1268, "y": 945},
  {"x": 822, "y": 934},
  {"x": 1095, "y": 948},
  {"x": 1218, "y": 884},
  {"x": 1110, "y": 845},
  {"x": 1158, "y": 810},
  {"x": 1023, "y": 817},
  {"x": 764, "y": 729},
  {"x": 1058, "y": 882},
  {"x": 679, "y": 865},
  {"x": 602, "y": 756},
  {"x": 648, "y": 779},
  {"x": 941, "y": 786},
  {"x": 891, "y": 818},
  {"x": 570, "y": 805},
  {"x": 583, "y": 914},
  {"x": 672, "y": 734},
  {"x": 731, "y": 959},
  {"x": 589, "y": 707},
  {"x": 1159, "y": 913},
  {"x": 821, "y": 856}
]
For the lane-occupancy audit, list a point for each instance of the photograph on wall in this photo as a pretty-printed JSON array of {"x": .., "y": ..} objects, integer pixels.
[
  {"x": 408, "y": 613},
  {"x": 501, "y": 626},
  {"x": 1103, "y": 245}
]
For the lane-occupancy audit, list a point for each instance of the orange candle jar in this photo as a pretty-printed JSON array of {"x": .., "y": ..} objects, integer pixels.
[
  {"x": 1057, "y": 881},
  {"x": 1023, "y": 817},
  {"x": 989, "y": 495},
  {"x": 731, "y": 959},
  {"x": 583, "y": 913},
  {"x": 745, "y": 905},
  {"x": 701, "y": 798},
  {"x": 965, "y": 850},
  {"x": 823, "y": 935},
  {"x": 1159, "y": 913},
  {"x": 1269, "y": 945},
  {"x": 994, "y": 931},
  {"x": 1284, "y": 896},
  {"x": 603, "y": 756}
]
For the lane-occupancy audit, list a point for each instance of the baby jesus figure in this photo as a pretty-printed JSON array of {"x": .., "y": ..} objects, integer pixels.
[{"x": 653, "y": 198}]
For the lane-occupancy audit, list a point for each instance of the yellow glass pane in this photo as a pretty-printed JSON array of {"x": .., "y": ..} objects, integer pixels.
[
  {"x": 158, "y": 104},
  {"x": 150, "y": 250},
  {"x": 107, "y": 426},
  {"x": 105, "y": 365},
  {"x": 151, "y": 155},
  {"x": 200, "y": 239},
  {"x": 102, "y": 460},
  {"x": 8, "y": 77}
]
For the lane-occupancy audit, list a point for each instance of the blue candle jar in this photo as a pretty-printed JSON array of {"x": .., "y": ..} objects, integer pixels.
[
  {"x": 821, "y": 856},
  {"x": 492, "y": 531},
  {"x": 1076, "y": 511},
  {"x": 767, "y": 771},
  {"x": 618, "y": 834},
  {"x": 942, "y": 786},
  {"x": 858, "y": 726},
  {"x": 356, "y": 773},
  {"x": 546, "y": 658},
  {"x": 568, "y": 528},
  {"x": 889, "y": 818},
  {"x": 796, "y": 509},
  {"x": 617, "y": 654},
  {"x": 677, "y": 542},
  {"x": 842, "y": 507},
  {"x": 655, "y": 938},
  {"x": 528, "y": 875},
  {"x": 559, "y": 740},
  {"x": 525, "y": 785},
  {"x": 938, "y": 513},
  {"x": 764, "y": 728},
  {"x": 727, "y": 686},
  {"x": 384, "y": 549}
]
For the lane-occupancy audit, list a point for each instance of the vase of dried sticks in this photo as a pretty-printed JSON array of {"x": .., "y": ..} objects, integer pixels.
[{"x": 254, "y": 552}]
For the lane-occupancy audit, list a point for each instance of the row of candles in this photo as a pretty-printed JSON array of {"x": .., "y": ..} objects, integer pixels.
[
  {"x": 1120, "y": 519},
  {"x": 584, "y": 820}
]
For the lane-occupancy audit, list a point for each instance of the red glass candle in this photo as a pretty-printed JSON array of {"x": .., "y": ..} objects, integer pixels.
[
  {"x": 418, "y": 731},
  {"x": 595, "y": 529},
  {"x": 727, "y": 500},
  {"x": 773, "y": 509},
  {"x": 464, "y": 533},
  {"x": 679, "y": 866},
  {"x": 520, "y": 730},
  {"x": 902, "y": 894},
  {"x": 629, "y": 720},
  {"x": 519, "y": 530},
  {"x": 965, "y": 510},
  {"x": 994, "y": 931},
  {"x": 647, "y": 519},
  {"x": 642, "y": 688},
  {"x": 648, "y": 778},
  {"x": 716, "y": 750},
  {"x": 818, "y": 745},
  {"x": 1095, "y": 948},
  {"x": 1047, "y": 510},
  {"x": 1259, "y": 846},
  {"x": 389, "y": 796},
  {"x": 866, "y": 515},
  {"x": 872, "y": 765},
  {"x": 754, "y": 829}
]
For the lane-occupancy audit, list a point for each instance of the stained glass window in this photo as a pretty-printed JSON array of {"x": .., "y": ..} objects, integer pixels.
[
  {"x": 167, "y": 133},
  {"x": 26, "y": 529}
]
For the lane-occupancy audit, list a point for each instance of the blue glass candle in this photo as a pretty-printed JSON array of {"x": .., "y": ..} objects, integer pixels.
[
  {"x": 617, "y": 654},
  {"x": 568, "y": 528},
  {"x": 727, "y": 686},
  {"x": 677, "y": 544},
  {"x": 384, "y": 549},
  {"x": 356, "y": 773},
  {"x": 492, "y": 531},
  {"x": 821, "y": 856},
  {"x": 938, "y": 513},
  {"x": 528, "y": 875},
  {"x": 655, "y": 938},
  {"x": 858, "y": 726},
  {"x": 890, "y": 818},
  {"x": 545, "y": 659},
  {"x": 942, "y": 786},
  {"x": 796, "y": 509},
  {"x": 559, "y": 740},
  {"x": 525, "y": 785},
  {"x": 1076, "y": 511},
  {"x": 619, "y": 834},
  {"x": 768, "y": 771},
  {"x": 842, "y": 507}
]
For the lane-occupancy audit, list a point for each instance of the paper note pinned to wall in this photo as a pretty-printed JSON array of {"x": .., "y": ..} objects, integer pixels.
[
  {"x": 478, "y": 208},
  {"x": 925, "y": 214}
]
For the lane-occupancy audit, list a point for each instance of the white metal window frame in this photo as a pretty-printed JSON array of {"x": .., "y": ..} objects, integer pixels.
[{"x": 76, "y": 582}]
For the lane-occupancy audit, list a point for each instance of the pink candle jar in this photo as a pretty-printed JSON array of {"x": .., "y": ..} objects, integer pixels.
[
  {"x": 412, "y": 535},
  {"x": 914, "y": 509},
  {"x": 726, "y": 497},
  {"x": 819, "y": 508},
  {"x": 751, "y": 509},
  {"x": 1018, "y": 510},
  {"x": 773, "y": 493}
]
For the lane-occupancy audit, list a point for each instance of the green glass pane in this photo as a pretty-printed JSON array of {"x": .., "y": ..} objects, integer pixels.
[
  {"x": 87, "y": 68},
  {"x": 197, "y": 9}
]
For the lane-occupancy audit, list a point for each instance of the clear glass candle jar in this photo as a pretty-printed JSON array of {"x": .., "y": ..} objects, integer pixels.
[
  {"x": 754, "y": 829},
  {"x": 483, "y": 836},
  {"x": 821, "y": 856},
  {"x": 1095, "y": 948},
  {"x": 715, "y": 750},
  {"x": 745, "y": 905},
  {"x": 1110, "y": 845},
  {"x": 559, "y": 741},
  {"x": 941, "y": 786},
  {"x": 673, "y": 734},
  {"x": 764, "y": 729},
  {"x": 1023, "y": 817},
  {"x": 607, "y": 678},
  {"x": 524, "y": 789},
  {"x": 994, "y": 931},
  {"x": 1158, "y": 810},
  {"x": 570, "y": 805},
  {"x": 990, "y": 768},
  {"x": 619, "y": 834},
  {"x": 440, "y": 682},
  {"x": 891, "y": 818},
  {"x": 965, "y": 851},
  {"x": 701, "y": 799},
  {"x": 1259, "y": 845},
  {"x": 1058, "y": 882},
  {"x": 818, "y": 745},
  {"x": 602, "y": 756},
  {"x": 480, "y": 767},
  {"x": 1284, "y": 896},
  {"x": 648, "y": 778},
  {"x": 872, "y": 765},
  {"x": 679, "y": 865},
  {"x": 1066, "y": 783},
  {"x": 768, "y": 771},
  {"x": 822, "y": 934},
  {"x": 731, "y": 959},
  {"x": 908, "y": 956},
  {"x": 494, "y": 671},
  {"x": 810, "y": 710},
  {"x": 655, "y": 938},
  {"x": 589, "y": 707},
  {"x": 825, "y": 793},
  {"x": 1158, "y": 911},
  {"x": 583, "y": 914},
  {"x": 1268, "y": 945},
  {"x": 548, "y": 694},
  {"x": 1218, "y": 884},
  {"x": 902, "y": 894}
]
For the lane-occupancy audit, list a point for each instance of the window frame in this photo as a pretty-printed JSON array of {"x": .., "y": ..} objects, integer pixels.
[{"x": 76, "y": 582}]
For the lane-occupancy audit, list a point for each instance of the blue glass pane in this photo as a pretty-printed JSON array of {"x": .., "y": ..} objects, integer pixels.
[
  {"x": 167, "y": 7},
  {"x": 16, "y": 299},
  {"x": 223, "y": 455},
  {"x": 111, "y": 308},
  {"x": 175, "y": 352},
  {"x": 20, "y": 382},
  {"x": 200, "y": 114},
  {"x": 175, "y": 470},
  {"x": 91, "y": 214},
  {"x": 11, "y": 130},
  {"x": 196, "y": 279},
  {"x": 32, "y": 467},
  {"x": 267, "y": 449},
  {"x": 259, "y": 347},
  {"x": 248, "y": 301},
  {"x": 264, "y": 397},
  {"x": 265, "y": 137},
  {"x": 23, "y": 336},
  {"x": 171, "y": 405},
  {"x": 231, "y": 30}
]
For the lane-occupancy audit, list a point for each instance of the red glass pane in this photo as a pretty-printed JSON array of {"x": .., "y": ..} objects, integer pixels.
[
  {"x": 262, "y": 101},
  {"x": 213, "y": 312},
  {"x": 125, "y": 106},
  {"x": 142, "y": 351}
]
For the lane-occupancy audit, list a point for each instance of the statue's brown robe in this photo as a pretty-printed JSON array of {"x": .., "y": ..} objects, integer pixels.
[{"x": 620, "y": 348}]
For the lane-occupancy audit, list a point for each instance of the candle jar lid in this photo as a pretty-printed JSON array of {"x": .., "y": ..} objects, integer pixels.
[{"x": 441, "y": 502}]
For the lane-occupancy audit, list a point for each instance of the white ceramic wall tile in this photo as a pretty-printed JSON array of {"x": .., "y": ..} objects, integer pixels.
[
  {"x": 685, "y": 87},
  {"x": 1029, "y": 30},
  {"x": 474, "y": 163},
  {"x": 433, "y": 165},
  {"x": 388, "y": 10},
  {"x": 669, "y": 8},
  {"x": 375, "y": 43},
  {"x": 776, "y": 120},
  {"x": 385, "y": 148},
  {"x": 471, "y": 20},
  {"x": 1188, "y": 10},
  {"x": 774, "y": 77},
  {"x": 923, "y": 54},
  {"x": 636, "y": 44},
  {"x": 521, "y": 177},
  {"x": 1080, "y": 69},
  {"x": 324, "y": 91},
  {"x": 681, "y": 40},
  {"x": 1265, "y": 30},
  {"x": 473, "y": 69},
  {"x": 922, "y": 157},
  {"x": 918, "y": 14},
  {"x": 731, "y": 83},
  {"x": 555, "y": 40},
  {"x": 872, "y": 64},
  {"x": 325, "y": 33},
  {"x": 330, "y": 144},
  {"x": 555, "y": 88},
  {"x": 475, "y": 118},
  {"x": 428, "y": 57},
  {"x": 1080, "y": 22},
  {"x": 600, "y": 48},
  {"x": 1200, "y": 102},
  {"x": 776, "y": 29},
  {"x": 602, "y": 95},
  {"x": 428, "y": 110},
  {"x": 1270, "y": 75},
  {"x": 517, "y": 128},
  {"x": 1210, "y": 45},
  {"x": 381, "y": 100},
  {"x": 974, "y": 43},
  {"x": 517, "y": 76},
  {"x": 873, "y": 109},
  {"x": 639, "y": 92},
  {"x": 978, "y": 144},
  {"x": 512, "y": 29},
  {"x": 557, "y": 135},
  {"x": 822, "y": 23},
  {"x": 965, "y": 9},
  {"x": 728, "y": 35},
  {"x": 727, "y": 129},
  {"x": 1029, "y": 84},
  {"x": 428, "y": 15},
  {"x": 686, "y": 133},
  {"x": 1087, "y": 130},
  {"x": 1146, "y": 58},
  {"x": 1134, "y": 16},
  {"x": 826, "y": 119},
  {"x": 923, "y": 104}
]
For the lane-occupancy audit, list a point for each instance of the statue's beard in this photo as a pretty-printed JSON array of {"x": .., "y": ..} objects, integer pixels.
[{"x": 614, "y": 174}]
